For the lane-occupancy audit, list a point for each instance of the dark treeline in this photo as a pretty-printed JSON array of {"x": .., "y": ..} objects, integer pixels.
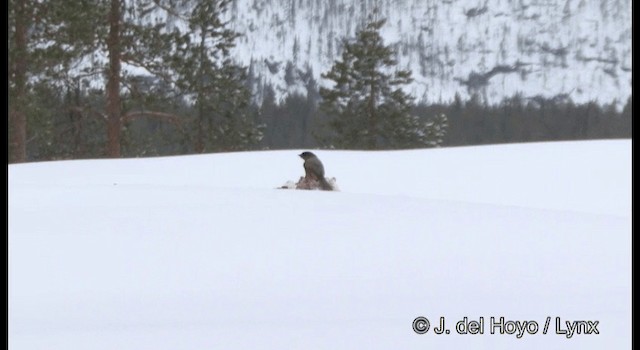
[
  {"x": 520, "y": 119},
  {"x": 63, "y": 126},
  {"x": 296, "y": 122}
]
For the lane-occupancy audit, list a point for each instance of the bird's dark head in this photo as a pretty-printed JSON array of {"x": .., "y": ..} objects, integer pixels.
[{"x": 306, "y": 155}]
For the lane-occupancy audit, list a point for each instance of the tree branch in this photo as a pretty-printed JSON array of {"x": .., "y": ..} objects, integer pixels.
[{"x": 130, "y": 60}]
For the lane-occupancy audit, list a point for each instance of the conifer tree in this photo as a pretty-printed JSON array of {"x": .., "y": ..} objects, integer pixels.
[
  {"x": 369, "y": 108},
  {"x": 216, "y": 84},
  {"x": 46, "y": 40}
]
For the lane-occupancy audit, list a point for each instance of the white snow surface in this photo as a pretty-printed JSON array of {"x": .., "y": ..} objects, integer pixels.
[{"x": 202, "y": 252}]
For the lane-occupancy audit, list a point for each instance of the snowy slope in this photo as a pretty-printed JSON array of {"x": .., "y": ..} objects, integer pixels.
[
  {"x": 575, "y": 48},
  {"x": 202, "y": 252}
]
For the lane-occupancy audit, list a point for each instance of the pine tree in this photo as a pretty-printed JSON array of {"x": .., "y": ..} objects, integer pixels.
[
  {"x": 46, "y": 38},
  {"x": 139, "y": 35},
  {"x": 369, "y": 108},
  {"x": 90, "y": 41},
  {"x": 217, "y": 85}
]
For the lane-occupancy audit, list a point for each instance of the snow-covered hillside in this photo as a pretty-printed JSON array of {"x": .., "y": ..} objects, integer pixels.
[
  {"x": 570, "y": 48},
  {"x": 200, "y": 252}
]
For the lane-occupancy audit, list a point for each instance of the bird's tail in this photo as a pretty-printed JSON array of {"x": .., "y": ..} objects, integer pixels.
[{"x": 326, "y": 186}]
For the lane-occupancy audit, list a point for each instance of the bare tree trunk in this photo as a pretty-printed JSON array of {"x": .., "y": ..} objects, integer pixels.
[
  {"x": 200, "y": 119},
  {"x": 373, "y": 123},
  {"x": 17, "y": 115},
  {"x": 114, "y": 123},
  {"x": 199, "y": 146},
  {"x": 76, "y": 119}
]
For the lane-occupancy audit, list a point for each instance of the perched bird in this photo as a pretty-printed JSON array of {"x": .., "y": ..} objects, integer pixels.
[{"x": 314, "y": 169}]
